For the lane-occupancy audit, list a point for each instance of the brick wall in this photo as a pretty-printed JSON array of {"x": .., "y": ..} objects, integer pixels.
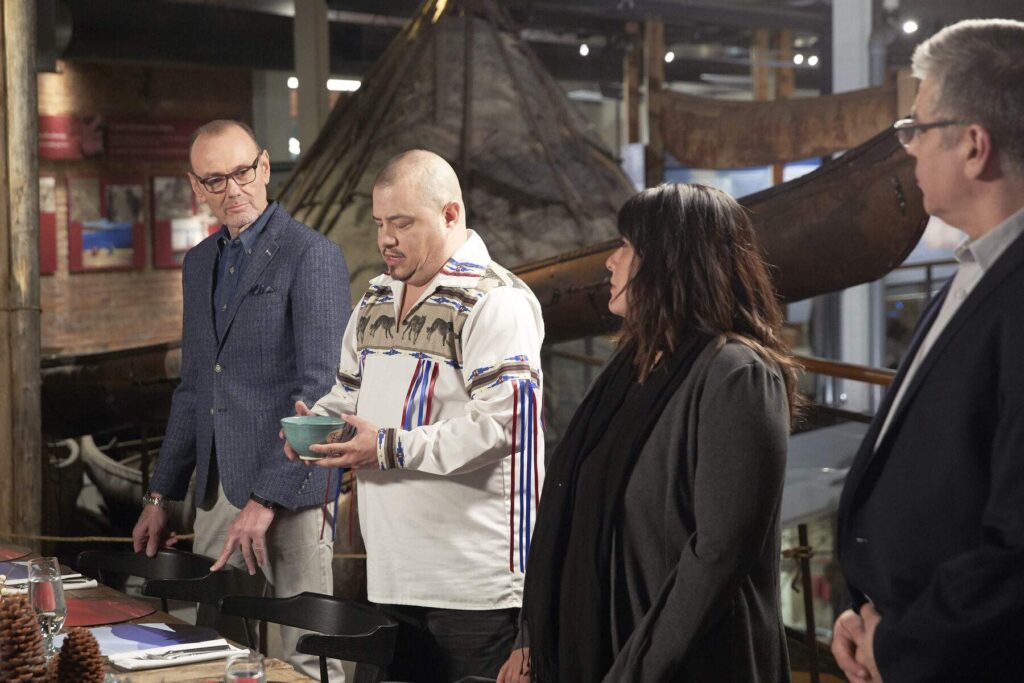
[{"x": 85, "y": 312}]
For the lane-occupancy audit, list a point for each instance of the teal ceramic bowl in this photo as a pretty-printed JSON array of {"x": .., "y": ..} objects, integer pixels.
[{"x": 302, "y": 431}]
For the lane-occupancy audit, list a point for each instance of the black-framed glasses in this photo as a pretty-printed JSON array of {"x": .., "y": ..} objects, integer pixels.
[
  {"x": 907, "y": 129},
  {"x": 243, "y": 176}
]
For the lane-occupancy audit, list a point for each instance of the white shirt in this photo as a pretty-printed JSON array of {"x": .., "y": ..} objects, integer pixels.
[
  {"x": 975, "y": 258},
  {"x": 456, "y": 391}
]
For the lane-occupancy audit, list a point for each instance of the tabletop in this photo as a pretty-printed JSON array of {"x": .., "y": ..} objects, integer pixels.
[{"x": 277, "y": 670}]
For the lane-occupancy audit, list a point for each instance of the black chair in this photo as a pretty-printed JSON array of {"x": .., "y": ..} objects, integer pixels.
[
  {"x": 173, "y": 575},
  {"x": 350, "y": 630}
]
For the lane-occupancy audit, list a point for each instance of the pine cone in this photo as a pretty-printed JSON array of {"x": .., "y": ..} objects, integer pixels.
[
  {"x": 22, "y": 657},
  {"x": 80, "y": 660}
]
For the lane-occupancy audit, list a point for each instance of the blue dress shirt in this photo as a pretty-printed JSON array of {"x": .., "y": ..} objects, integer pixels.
[{"x": 232, "y": 255}]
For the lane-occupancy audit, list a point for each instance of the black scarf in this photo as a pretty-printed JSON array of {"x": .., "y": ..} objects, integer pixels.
[{"x": 573, "y": 534}]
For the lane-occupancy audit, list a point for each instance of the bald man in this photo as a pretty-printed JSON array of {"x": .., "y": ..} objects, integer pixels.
[{"x": 440, "y": 375}]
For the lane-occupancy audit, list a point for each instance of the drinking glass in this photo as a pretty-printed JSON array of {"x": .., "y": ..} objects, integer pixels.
[
  {"x": 46, "y": 594},
  {"x": 245, "y": 667}
]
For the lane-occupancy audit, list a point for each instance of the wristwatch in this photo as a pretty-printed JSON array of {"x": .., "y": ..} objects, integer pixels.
[
  {"x": 149, "y": 499},
  {"x": 269, "y": 504}
]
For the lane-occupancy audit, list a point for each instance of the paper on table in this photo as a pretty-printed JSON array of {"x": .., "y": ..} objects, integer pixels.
[
  {"x": 14, "y": 571},
  {"x": 132, "y": 638},
  {"x": 137, "y": 661}
]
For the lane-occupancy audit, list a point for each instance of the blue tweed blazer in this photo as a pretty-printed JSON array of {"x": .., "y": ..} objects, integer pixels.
[{"x": 282, "y": 343}]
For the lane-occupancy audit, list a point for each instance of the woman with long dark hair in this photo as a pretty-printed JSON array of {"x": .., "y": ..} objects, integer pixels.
[{"x": 656, "y": 550}]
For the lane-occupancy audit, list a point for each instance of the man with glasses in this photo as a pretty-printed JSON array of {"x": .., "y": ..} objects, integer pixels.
[
  {"x": 265, "y": 300},
  {"x": 931, "y": 520}
]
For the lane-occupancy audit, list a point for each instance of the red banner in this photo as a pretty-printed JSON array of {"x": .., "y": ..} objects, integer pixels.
[
  {"x": 47, "y": 225},
  {"x": 137, "y": 139}
]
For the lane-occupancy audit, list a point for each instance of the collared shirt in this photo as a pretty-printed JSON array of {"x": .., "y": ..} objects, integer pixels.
[
  {"x": 456, "y": 392},
  {"x": 974, "y": 259},
  {"x": 231, "y": 257}
]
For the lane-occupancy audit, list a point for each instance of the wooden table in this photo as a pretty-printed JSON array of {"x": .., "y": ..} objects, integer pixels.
[{"x": 277, "y": 670}]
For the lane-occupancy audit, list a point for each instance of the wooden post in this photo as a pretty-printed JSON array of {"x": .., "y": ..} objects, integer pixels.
[
  {"x": 785, "y": 81},
  {"x": 760, "y": 64},
  {"x": 772, "y": 72},
  {"x": 654, "y": 56},
  {"x": 631, "y": 71},
  {"x": 20, "y": 453},
  {"x": 312, "y": 66}
]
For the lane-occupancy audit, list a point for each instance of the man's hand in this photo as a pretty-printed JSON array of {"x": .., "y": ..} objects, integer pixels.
[
  {"x": 358, "y": 453},
  {"x": 300, "y": 409},
  {"x": 150, "y": 532},
  {"x": 848, "y": 637},
  {"x": 517, "y": 668},
  {"x": 866, "y": 650},
  {"x": 247, "y": 532}
]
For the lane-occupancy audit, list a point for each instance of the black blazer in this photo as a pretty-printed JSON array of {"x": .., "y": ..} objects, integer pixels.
[{"x": 931, "y": 525}]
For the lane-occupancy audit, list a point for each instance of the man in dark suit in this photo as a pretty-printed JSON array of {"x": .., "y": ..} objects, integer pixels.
[
  {"x": 265, "y": 302},
  {"x": 931, "y": 520}
]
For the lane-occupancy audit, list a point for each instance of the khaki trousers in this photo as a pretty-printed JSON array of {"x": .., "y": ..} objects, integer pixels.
[{"x": 297, "y": 560}]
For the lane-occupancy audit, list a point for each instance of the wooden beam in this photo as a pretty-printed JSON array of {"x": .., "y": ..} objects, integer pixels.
[
  {"x": 631, "y": 72},
  {"x": 741, "y": 134},
  {"x": 20, "y": 452},
  {"x": 654, "y": 57}
]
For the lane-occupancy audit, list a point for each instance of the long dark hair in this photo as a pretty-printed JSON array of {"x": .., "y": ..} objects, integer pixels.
[{"x": 698, "y": 265}]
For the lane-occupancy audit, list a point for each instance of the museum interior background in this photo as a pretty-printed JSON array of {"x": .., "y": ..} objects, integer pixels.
[{"x": 602, "y": 95}]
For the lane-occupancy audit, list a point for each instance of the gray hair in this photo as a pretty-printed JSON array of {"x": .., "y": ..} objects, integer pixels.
[{"x": 978, "y": 68}]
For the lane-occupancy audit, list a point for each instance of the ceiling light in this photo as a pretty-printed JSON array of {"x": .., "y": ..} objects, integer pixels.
[
  {"x": 584, "y": 50},
  {"x": 293, "y": 147},
  {"x": 910, "y": 26},
  {"x": 812, "y": 60},
  {"x": 798, "y": 59},
  {"x": 293, "y": 82},
  {"x": 669, "y": 56},
  {"x": 342, "y": 85}
]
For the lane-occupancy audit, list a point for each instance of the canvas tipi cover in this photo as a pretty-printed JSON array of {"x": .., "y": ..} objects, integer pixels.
[{"x": 458, "y": 81}]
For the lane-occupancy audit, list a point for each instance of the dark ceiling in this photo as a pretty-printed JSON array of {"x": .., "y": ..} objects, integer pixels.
[{"x": 707, "y": 37}]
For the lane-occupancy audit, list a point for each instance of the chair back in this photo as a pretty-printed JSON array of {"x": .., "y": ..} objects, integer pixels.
[
  {"x": 350, "y": 630},
  {"x": 171, "y": 574},
  {"x": 167, "y": 564}
]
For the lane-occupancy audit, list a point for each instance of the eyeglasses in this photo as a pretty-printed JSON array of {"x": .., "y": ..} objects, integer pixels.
[
  {"x": 219, "y": 183},
  {"x": 907, "y": 129}
]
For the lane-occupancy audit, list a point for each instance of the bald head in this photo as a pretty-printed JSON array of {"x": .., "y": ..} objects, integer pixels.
[
  {"x": 417, "y": 206},
  {"x": 432, "y": 177}
]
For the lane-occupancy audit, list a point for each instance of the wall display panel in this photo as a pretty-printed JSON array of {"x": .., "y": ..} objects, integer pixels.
[
  {"x": 47, "y": 225},
  {"x": 179, "y": 221},
  {"x": 106, "y": 224}
]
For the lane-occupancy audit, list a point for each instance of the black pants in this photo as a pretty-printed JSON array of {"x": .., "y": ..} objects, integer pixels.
[{"x": 445, "y": 645}]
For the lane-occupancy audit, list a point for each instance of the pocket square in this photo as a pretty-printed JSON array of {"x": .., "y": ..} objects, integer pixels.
[{"x": 260, "y": 288}]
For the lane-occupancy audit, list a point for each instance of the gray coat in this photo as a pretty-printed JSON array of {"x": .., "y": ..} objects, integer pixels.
[
  {"x": 696, "y": 558},
  {"x": 282, "y": 344}
]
